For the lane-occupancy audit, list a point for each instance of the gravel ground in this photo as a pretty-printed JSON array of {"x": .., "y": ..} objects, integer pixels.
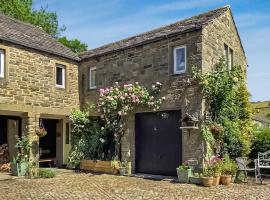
[{"x": 70, "y": 185}]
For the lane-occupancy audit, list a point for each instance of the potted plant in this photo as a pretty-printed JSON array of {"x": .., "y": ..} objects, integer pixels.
[
  {"x": 196, "y": 179},
  {"x": 217, "y": 170},
  {"x": 228, "y": 169},
  {"x": 41, "y": 132},
  {"x": 123, "y": 168},
  {"x": 184, "y": 172},
  {"x": 20, "y": 163},
  {"x": 207, "y": 177}
]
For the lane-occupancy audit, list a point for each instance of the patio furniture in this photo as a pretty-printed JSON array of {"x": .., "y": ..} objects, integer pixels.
[
  {"x": 263, "y": 162},
  {"x": 50, "y": 161},
  {"x": 242, "y": 163}
]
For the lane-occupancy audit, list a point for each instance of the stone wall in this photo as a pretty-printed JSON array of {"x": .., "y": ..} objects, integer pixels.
[
  {"x": 28, "y": 90},
  {"x": 147, "y": 64},
  {"x": 30, "y": 80},
  {"x": 218, "y": 32}
]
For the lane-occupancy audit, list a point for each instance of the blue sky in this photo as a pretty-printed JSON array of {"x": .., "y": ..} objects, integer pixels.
[{"x": 99, "y": 22}]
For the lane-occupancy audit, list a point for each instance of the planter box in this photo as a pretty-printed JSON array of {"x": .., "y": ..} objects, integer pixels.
[
  {"x": 195, "y": 180},
  {"x": 99, "y": 166},
  {"x": 183, "y": 175},
  {"x": 19, "y": 169}
]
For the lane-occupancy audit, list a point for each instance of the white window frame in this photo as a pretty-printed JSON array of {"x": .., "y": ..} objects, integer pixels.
[
  {"x": 90, "y": 78},
  {"x": 2, "y": 64},
  {"x": 175, "y": 71},
  {"x": 228, "y": 54},
  {"x": 63, "y": 67}
]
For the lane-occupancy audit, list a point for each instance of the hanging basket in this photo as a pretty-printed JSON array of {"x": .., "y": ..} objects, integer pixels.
[{"x": 41, "y": 132}]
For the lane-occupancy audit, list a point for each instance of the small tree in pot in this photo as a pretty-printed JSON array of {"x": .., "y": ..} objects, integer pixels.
[
  {"x": 20, "y": 163},
  {"x": 208, "y": 177},
  {"x": 228, "y": 169}
]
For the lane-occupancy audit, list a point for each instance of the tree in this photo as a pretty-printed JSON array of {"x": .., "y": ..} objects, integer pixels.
[
  {"x": 23, "y": 10},
  {"x": 75, "y": 45}
]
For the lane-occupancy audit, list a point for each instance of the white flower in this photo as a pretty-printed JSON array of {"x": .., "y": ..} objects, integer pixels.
[
  {"x": 137, "y": 83},
  {"x": 102, "y": 128},
  {"x": 153, "y": 86},
  {"x": 163, "y": 98},
  {"x": 235, "y": 79},
  {"x": 101, "y": 140}
]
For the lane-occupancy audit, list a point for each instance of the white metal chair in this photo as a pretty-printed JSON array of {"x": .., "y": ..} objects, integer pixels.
[{"x": 242, "y": 163}]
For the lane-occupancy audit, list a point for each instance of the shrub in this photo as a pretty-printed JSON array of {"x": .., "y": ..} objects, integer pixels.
[
  {"x": 46, "y": 173},
  {"x": 261, "y": 142},
  {"x": 228, "y": 166}
]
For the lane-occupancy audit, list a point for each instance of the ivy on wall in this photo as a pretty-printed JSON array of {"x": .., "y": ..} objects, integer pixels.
[{"x": 228, "y": 125}]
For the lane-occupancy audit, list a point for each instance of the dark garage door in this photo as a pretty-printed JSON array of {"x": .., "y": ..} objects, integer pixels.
[{"x": 158, "y": 142}]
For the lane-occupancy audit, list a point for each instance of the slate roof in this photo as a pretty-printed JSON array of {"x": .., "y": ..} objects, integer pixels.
[
  {"x": 25, "y": 34},
  {"x": 186, "y": 25}
]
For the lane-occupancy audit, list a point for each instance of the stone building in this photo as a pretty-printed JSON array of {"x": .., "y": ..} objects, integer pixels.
[
  {"x": 40, "y": 84},
  {"x": 38, "y": 88},
  {"x": 154, "y": 141}
]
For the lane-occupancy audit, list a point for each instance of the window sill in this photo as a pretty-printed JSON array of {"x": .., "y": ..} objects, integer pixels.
[
  {"x": 182, "y": 74},
  {"x": 60, "y": 87}
]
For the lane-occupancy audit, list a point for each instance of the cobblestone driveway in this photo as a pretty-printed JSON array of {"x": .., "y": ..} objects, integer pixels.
[{"x": 69, "y": 185}]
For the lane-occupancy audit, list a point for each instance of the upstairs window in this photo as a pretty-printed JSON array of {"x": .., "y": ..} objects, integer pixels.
[
  {"x": 2, "y": 63},
  {"x": 179, "y": 60},
  {"x": 60, "y": 76},
  {"x": 228, "y": 54},
  {"x": 92, "y": 78}
]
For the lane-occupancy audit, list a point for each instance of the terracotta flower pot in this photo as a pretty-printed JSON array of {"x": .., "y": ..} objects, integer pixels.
[
  {"x": 207, "y": 181},
  {"x": 226, "y": 179},
  {"x": 216, "y": 180}
]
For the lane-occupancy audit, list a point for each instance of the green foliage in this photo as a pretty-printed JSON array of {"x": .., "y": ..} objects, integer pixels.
[
  {"x": 23, "y": 145},
  {"x": 228, "y": 166},
  {"x": 46, "y": 173},
  {"x": 208, "y": 172},
  {"x": 208, "y": 136},
  {"x": 23, "y": 10},
  {"x": 227, "y": 105},
  {"x": 261, "y": 142},
  {"x": 89, "y": 139},
  {"x": 75, "y": 45}
]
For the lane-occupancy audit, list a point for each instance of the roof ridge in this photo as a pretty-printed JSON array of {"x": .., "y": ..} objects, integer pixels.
[{"x": 226, "y": 7}]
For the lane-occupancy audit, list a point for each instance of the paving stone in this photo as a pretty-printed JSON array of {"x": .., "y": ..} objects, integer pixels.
[{"x": 71, "y": 185}]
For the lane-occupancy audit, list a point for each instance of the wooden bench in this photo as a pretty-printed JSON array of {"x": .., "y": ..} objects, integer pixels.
[
  {"x": 263, "y": 162},
  {"x": 48, "y": 160}
]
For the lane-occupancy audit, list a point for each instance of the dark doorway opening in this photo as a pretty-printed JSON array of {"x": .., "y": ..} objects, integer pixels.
[
  {"x": 47, "y": 144},
  {"x": 158, "y": 142},
  {"x": 8, "y": 137}
]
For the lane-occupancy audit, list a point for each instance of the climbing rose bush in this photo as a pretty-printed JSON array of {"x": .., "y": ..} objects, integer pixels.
[
  {"x": 123, "y": 100},
  {"x": 116, "y": 102}
]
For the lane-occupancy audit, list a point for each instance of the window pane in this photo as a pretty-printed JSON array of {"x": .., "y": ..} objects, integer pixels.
[
  {"x": 92, "y": 78},
  {"x": 230, "y": 58},
  {"x": 59, "y": 76},
  {"x": 180, "y": 60},
  {"x": 67, "y": 133},
  {"x": 2, "y": 62}
]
